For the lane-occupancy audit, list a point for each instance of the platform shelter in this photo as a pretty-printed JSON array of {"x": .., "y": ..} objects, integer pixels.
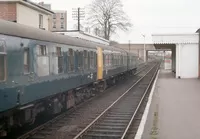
[{"x": 185, "y": 52}]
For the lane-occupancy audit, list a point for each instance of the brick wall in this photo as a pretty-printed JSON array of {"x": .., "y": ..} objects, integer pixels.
[{"x": 8, "y": 11}]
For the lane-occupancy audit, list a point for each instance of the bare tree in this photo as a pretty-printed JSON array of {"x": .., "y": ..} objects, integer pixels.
[{"x": 108, "y": 16}]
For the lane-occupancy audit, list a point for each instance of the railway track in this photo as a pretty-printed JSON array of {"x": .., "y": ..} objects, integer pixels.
[
  {"x": 47, "y": 129},
  {"x": 114, "y": 122}
]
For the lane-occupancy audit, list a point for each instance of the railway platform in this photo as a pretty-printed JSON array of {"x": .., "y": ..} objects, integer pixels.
[{"x": 173, "y": 109}]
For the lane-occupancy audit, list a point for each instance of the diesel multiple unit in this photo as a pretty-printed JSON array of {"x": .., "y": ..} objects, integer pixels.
[{"x": 46, "y": 73}]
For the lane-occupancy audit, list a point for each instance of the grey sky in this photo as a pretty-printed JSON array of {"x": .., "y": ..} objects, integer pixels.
[{"x": 147, "y": 16}]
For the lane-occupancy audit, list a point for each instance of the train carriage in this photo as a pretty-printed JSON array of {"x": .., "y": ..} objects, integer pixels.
[{"x": 43, "y": 72}]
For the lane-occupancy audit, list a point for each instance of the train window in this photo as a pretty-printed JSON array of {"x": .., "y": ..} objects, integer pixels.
[
  {"x": 71, "y": 60},
  {"x": 60, "y": 59},
  {"x": 121, "y": 59},
  {"x": 103, "y": 59},
  {"x": 107, "y": 60},
  {"x": 114, "y": 59},
  {"x": 115, "y": 56},
  {"x": 95, "y": 59},
  {"x": 2, "y": 67},
  {"x": 117, "y": 59},
  {"x": 124, "y": 60},
  {"x": 58, "y": 51},
  {"x": 85, "y": 59},
  {"x": 42, "y": 50},
  {"x": 88, "y": 59},
  {"x": 110, "y": 60},
  {"x": 2, "y": 61},
  {"x": 80, "y": 60},
  {"x": 26, "y": 61},
  {"x": 91, "y": 59},
  {"x": 43, "y": 63}
]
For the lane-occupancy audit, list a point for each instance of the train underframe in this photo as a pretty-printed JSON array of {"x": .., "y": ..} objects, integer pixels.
[{"x": 54, "y": 105}]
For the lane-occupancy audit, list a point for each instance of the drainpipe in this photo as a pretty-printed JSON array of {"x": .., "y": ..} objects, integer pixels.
[
  {"x": 198, "y": 31},
  {"x": 199, "y": 52}
]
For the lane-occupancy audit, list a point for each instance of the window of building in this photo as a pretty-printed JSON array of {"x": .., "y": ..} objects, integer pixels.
[
  {"x": 62, "y": 15},
  {"x": 26, "y": 61},
  {"x": 62, "y": 25},
  {"x": 54, "y": 24},
  {"x": 40, "y": 21},
  {"x": 2, "y": 61},
  {"x": 54, "y": 16},
  {"x": 42, "y": 50},
  {"x": 71, "y": 60}
]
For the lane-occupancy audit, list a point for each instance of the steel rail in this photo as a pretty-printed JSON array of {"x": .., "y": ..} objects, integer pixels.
[
  {"x": 80, "y": 134},
  {"x": 141, "y": 69},
  {"x": 129, "y": 124}
]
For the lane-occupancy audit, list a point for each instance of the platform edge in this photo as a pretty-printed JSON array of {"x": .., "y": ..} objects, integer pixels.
[{"x": 146, "y": 111}]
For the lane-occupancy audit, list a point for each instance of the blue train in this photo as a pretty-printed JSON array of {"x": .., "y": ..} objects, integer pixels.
[{"x": 43, "y": 72}]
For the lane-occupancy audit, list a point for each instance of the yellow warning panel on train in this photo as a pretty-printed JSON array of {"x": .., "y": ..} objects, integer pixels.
[{"x": 100, "y": 63}]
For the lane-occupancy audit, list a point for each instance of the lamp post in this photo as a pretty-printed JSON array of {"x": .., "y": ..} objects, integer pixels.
[
  {"x": 129, "y": 46},
  {"x": 144, "y": 48}
]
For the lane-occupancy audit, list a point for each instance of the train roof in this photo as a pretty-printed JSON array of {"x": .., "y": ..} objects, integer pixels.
[{"x": 23, "y": 31}]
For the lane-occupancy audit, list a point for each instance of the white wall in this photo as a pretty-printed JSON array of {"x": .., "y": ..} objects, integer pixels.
[
  {"x": 30, "y": 17},
  {"x": 187, "y": 60}
]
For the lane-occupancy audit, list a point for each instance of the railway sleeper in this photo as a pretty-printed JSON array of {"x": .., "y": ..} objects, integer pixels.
[
  {"x": 105, "y": 131},
  {"x": 112, "y": 121},
  {"x": 108, "y": 127},
  {"x": 101, "y": 136}
]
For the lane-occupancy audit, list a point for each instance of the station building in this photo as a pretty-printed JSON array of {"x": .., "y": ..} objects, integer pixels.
[{"x": 25, "y": 12}]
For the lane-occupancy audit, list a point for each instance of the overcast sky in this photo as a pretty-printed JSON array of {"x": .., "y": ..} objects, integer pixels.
[{"x": 147, "y": 16}]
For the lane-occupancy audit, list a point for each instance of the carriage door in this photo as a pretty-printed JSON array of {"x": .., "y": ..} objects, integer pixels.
[
  {"x": 99, "y": 63},
  {"x": 2, "y": 61}
]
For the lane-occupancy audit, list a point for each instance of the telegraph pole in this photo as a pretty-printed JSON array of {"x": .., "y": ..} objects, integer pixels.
[
  {"x": 78, "y": 19},
  {"x": 78, "y": 14}
]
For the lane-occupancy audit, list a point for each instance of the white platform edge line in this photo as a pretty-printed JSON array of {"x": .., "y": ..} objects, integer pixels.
[{"x": 146, "y": 111}]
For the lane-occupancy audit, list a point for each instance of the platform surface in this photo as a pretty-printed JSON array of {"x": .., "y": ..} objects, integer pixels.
[{"x": 174, "y": 111}]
